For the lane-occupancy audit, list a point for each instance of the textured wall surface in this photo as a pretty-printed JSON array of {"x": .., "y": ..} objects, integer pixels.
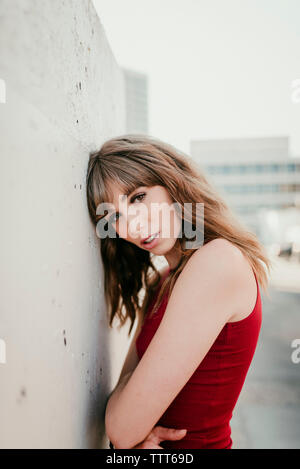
[{"x": 64, "y": 97}]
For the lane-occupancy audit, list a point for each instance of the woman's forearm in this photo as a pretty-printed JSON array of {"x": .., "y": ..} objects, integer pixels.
[{"x": 113, "y": 398}]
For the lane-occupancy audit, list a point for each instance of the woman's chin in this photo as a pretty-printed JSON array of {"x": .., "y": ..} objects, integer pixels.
[{"x": 163, "y": 247}]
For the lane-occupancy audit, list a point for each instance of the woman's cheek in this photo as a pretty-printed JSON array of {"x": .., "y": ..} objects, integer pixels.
[{"x": 128, "y": 231}]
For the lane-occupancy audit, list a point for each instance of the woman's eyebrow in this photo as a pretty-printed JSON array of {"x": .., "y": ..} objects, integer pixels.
[{"x": 130, "y": 191}]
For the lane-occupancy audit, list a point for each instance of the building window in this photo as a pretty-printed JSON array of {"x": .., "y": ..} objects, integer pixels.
[{"x": 291, "y": 167}]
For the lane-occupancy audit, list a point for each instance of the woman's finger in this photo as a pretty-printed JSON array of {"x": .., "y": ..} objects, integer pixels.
[
  {"x": 163, "y": 433},
  {"x": 147, "y": 444}
]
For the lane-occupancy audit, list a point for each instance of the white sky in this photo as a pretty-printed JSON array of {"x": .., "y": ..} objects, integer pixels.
[{"x": 216, "y": 68}]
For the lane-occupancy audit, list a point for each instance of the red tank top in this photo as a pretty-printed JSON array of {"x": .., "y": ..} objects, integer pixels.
[{"x": 205, "y": 404}]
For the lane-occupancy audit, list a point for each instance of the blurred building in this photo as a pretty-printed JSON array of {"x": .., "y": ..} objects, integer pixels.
[
  {"x": 136, "y": 92},
  {"x": 254, "y": 175}
]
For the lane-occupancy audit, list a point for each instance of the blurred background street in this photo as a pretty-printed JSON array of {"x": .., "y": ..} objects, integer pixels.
[{"x": 267, "y": 414}]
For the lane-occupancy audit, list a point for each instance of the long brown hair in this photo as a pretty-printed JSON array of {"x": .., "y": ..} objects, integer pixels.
[{"x": 130, "y": 276}]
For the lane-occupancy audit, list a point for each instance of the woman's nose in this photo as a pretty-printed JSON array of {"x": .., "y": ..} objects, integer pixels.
[{"x": 139, "y": 228}]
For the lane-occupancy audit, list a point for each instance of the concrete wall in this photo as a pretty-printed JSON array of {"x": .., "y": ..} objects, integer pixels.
[{"x": 64, "y": 97}]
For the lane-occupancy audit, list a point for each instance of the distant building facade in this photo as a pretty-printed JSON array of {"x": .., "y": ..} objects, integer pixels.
[
  {"x": 252, "y": 174},
  {"x": 136, "y": 93}
]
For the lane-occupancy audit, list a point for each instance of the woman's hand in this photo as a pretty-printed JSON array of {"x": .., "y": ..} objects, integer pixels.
[{"x": 159, "y": 434}]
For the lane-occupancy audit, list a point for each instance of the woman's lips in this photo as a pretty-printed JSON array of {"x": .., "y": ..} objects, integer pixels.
[{"x": 155, "y": 239}]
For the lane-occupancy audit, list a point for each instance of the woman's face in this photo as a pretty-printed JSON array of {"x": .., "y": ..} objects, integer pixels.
[{"x": 146, "y": 211}]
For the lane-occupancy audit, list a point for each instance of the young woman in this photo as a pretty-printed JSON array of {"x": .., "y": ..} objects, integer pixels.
[{"x": 198, "y": 320}]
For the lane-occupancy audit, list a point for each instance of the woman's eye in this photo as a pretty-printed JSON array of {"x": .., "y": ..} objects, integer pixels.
[
  {"x": 113, "y": 219},
  {"x": 138, "y": 197}
]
